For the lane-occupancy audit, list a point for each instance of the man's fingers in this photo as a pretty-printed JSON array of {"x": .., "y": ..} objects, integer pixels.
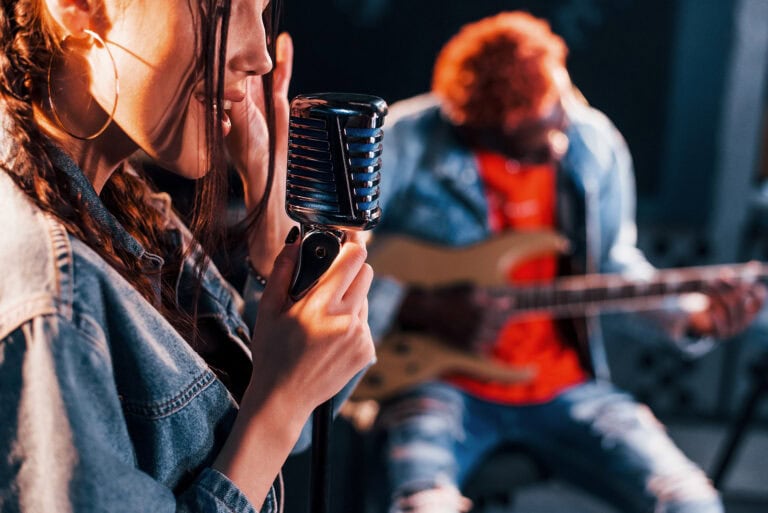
[
  {"x": 734, "y": 305},
  {"x": 755, "y": 298}
]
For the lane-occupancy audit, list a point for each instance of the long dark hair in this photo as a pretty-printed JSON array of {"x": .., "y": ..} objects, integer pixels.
[
  {"x": 211, "y": 188},
  {"x": 27, "y": 44}
]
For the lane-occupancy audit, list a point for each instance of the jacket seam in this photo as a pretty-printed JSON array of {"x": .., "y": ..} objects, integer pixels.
[
  {"x": 161, "y": 409},
  {"x": 79, "y": 320},
  {"x": 217, "y": 499},
  {"x": 22, "y": 311},
  {"x": 94, "y": 344},
  {"x": 62, "y": 265}
]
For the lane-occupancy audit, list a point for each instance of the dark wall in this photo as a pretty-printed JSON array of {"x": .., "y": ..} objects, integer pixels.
[
  {"x": 624, "y": 57},
  {"x": 657, "y": 68}
]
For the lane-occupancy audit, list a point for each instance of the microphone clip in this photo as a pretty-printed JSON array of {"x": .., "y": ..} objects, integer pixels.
[{"x": 320, "y": 246}]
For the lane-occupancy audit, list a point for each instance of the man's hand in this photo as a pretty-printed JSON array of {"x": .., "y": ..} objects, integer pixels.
[
  {"x": 463, "y": 316},
  {"x": 733, "y": 304}
]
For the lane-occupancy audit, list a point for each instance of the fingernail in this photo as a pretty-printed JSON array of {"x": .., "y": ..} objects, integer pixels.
[{"x": 293, "y": 235}]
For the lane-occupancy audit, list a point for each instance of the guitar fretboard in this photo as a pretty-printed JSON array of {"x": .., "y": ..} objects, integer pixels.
[{"x": 581, "y": 294}]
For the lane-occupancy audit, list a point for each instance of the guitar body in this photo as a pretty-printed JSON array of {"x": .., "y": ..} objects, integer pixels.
[
  {"x": 484, "y": 264},
  {"x": 405, "y": 359}
]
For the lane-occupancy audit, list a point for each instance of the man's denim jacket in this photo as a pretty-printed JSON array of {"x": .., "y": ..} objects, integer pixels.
[
  {"x": 431, "y": 190},
  {"x": 104, "y": 406}
]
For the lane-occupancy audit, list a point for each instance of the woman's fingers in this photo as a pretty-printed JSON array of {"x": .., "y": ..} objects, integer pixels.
[
  {"x": 276, "y": 292},
  {"x": 333, "y": 285},
  {"x": 362, "y": 237},
  {"x": 363, "y": 315},
  {"x": 358, "y": 289},
  {"x": 284, "y": 67}
]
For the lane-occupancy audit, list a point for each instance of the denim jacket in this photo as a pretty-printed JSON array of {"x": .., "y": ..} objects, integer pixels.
[
  {"x": 104, "y": 406},
  {"x": 431, "y": 190}
]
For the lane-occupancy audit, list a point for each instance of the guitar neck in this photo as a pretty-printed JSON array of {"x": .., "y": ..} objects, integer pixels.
[{"x": 579, "y": 295}]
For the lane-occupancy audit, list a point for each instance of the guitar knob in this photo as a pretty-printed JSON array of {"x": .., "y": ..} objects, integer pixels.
[
  {"x": 373, "y": 379},
  {"x": 402, "y": 347}
]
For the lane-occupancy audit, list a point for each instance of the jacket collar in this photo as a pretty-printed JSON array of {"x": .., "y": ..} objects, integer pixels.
[
  {"x": 82, "y": 187},
  {"x": 456, "y": 166}
]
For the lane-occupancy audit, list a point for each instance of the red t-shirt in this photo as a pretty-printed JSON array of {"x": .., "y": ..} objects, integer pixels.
[{"x": 523, "y": 198}]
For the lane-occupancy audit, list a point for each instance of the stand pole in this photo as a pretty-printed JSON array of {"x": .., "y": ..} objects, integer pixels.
[
  {"x": 738, "y": 428},
  {"x": 320, "y": 473}
]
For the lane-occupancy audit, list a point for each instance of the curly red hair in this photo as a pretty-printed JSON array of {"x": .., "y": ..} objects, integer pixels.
[{"x": 498, "y": 71}]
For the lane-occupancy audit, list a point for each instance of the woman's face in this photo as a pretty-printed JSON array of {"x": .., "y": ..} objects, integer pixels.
[{"x": 156, "y": 45}]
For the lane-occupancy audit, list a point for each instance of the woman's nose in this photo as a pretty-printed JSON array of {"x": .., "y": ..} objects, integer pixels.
[
  {"x": 251, "y": 59},
  {"x": 248, "y": 44}
]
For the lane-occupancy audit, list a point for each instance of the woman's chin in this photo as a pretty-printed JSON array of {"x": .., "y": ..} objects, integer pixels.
[{"x": 191, "y": 166}]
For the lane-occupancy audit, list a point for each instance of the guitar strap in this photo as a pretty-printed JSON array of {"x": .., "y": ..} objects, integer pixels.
[{"x": 571, "y": 219}]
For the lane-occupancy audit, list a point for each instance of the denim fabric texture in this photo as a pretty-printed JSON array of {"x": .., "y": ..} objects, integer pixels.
[
  {"x": 591, "y": 435},
  {"x": 105, "y": 407}
]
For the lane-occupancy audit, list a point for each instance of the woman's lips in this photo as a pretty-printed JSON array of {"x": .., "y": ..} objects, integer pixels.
[{"x": 226, "y": 121}]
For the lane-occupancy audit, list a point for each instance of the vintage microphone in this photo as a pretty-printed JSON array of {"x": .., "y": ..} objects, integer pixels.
[{"x": 334, "y": 158}]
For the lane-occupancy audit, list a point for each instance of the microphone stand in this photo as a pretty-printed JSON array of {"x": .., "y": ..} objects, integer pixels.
[
  {"x": 320, "y": 472},
  {"x": 319, "y": 248}
]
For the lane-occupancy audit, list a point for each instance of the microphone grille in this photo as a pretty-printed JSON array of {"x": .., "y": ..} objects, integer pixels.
[{"x": 334, "y": 160}]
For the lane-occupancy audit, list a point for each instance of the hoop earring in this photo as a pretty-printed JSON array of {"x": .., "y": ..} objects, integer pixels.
[{"x": 55, "y": 113}]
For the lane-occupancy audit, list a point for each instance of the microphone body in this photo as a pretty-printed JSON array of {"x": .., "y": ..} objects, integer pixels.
[{"x": 334, "y": 162}]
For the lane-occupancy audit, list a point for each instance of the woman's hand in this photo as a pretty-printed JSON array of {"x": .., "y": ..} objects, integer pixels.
[
  {"x": 248, "y": 146},
  {"x": 306, "y": 351}
]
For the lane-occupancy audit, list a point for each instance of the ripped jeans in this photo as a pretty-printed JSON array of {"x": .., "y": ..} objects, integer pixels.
[{"x": 593, "y": 436}]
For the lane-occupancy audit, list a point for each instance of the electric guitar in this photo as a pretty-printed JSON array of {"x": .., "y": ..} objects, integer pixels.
[{"x": 407, "y": 358}]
